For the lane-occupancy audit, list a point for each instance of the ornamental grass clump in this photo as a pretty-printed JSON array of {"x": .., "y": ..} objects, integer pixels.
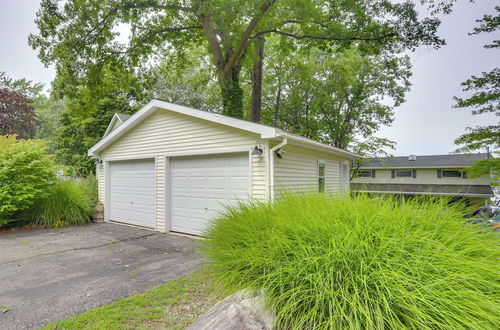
[
  {"x": 67, "y": 203},
  {"x": 360, "y": 263}
]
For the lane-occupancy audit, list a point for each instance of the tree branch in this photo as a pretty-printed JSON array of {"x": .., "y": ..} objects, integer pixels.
[
  {"x": 247, "y": 34},
  {"x": 213, "y": 42},
  {"x": 156, "y": 6},
  {"x": 308, "y": 36}
]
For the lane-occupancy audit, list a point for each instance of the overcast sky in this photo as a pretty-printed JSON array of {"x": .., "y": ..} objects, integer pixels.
[{"x": 426, "y": 124}]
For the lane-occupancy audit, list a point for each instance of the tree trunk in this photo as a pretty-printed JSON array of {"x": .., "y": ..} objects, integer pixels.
[
  {"x": 257, "y": 69},
  {"x": 277, "y": 106},
  {"x": 232, "y": 94}
]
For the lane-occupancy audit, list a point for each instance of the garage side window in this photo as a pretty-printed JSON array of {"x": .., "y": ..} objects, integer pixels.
[{"x": 321, "y": 176}]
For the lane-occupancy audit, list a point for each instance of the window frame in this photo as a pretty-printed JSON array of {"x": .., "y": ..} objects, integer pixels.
[
  {"x": 460, "y": 176},
  {"x": 406, "y": 176},
  {"x": 369, "y": 172},
  {"x": 321, "y": 178}
]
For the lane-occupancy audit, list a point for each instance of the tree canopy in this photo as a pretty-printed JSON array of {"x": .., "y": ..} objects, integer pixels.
[
  {"x": 485, "y": 96},
  {"x": 82, "y": 36},
  {"x": 17, "y": 116}
]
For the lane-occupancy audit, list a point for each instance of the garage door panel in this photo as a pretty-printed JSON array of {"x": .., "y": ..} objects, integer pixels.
[
  {"x": 134, "y": 200},
  {"x": 218, "y": 182},
  {"x": 190, "y": 225},
  {"x": 202, "y": 187},
  {"x": 197, "y": 182},
  {"x": 132, "y": 192},
  {"x": 179, "y": 182}
]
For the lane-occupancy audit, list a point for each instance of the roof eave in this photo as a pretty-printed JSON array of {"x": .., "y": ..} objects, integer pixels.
[
  {"x": 264, "y": 131},
  {"x": 318, "y": 145},
  {"x": 410, "y": 167},
  {"x": 424, "y": 193}
]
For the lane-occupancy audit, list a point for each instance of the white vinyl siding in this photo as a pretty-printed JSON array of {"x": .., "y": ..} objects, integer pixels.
[
  {"x": 166, "y": 133},
  {"x": 298, "y": 171},
  {"x": 116, "y": 124},
  {"x": 160, "y": 193},
  {"x": 260, "y": 174},
  {"x": 99, "y": 173}
]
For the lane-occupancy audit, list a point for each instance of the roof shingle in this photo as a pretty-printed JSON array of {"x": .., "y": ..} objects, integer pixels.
[{"x": 433, "y": 161}]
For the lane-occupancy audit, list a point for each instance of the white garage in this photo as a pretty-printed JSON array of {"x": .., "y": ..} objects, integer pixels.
[
  {"x": 201, "y": 187},
  {"x": 132, "y": 192},
  {"x": 172, "y": 168}
]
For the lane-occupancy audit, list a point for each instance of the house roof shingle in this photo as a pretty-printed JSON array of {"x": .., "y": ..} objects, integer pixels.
[{"x": 433, "y": 161}]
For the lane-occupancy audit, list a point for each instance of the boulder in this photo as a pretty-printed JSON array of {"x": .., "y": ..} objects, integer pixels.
[{"x": 240, "y": 311}]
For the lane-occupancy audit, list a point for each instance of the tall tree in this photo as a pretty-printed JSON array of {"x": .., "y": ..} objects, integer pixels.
[
  {"x": 23, "y": 86},
  {"x": 338, "y": 98},
  {"x": 17, "y": 115},
  {"x": 89, "y": 110},
  {"x": 81, "y": 35},
  {"x": 191, "y": 81},
  {"x": 485, "y": 96}
]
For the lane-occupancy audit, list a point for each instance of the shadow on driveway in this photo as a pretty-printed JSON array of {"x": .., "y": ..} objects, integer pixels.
[{"x": 50, "y": 274}]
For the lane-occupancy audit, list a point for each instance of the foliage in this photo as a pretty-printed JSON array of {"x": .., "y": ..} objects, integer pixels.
[
  {"x": 359, "y": 263},
  {"x": 23, "y": 86},
  {"x": 335, "y": 97},
  {"x": 173, "y": 305},
  {"x": 374, "y": 147},
  {"x": 485, "y": 97},
  {"x": 17, "y": 116},
  {"x": 88, "y": 112},
  {"x": 485, "y": 166},
  {"x": 48, "y": 111},
  {"x": 26, "y": 172},
  {"x": 190, "y": 81},
  {"x": 90, "y": 183},
  {"x": 67, "y": 203},
  {"x": 82, "y": 36}
]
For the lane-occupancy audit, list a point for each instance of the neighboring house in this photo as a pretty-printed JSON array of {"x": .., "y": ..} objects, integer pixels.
[
  {"x": 424, "y": 175},
  {"x": 173, "y": 168}
]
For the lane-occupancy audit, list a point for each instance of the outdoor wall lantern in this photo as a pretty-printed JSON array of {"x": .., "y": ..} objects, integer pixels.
[
  {"x": 256, "y": 151},
  {"x": 280, "y": 153}
]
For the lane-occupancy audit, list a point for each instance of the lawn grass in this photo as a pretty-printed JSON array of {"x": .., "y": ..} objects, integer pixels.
[{"x": 173, "y": 305}]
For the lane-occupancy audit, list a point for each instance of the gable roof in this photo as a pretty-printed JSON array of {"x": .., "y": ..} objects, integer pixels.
[
  {"x": 123, "y": 117},
  {"x": 265, "y": 132},
  {"x": 117, "y": 117},
  {"x": 430, "y": 161}
]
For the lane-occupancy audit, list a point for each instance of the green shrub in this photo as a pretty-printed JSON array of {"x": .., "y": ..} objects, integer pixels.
[
  {"x": 90, "y": 183},
  {"x": 26, "y": 172},
  {"x": 67, "y": 203},
  {"x": 359, "y": 263}
]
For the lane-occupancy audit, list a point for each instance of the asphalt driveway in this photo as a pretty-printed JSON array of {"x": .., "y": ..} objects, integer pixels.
[{"x": 51, "y": 274}]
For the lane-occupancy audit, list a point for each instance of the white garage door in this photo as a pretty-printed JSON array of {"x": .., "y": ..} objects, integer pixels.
[
  {"x": 132, "y": 192},
  {"x": 202, "y": 186}
]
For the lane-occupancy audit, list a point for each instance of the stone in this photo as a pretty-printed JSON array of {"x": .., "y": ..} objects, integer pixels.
[
  {"x": 99, "y": 213},
  {"x": 240, "y": 311}
]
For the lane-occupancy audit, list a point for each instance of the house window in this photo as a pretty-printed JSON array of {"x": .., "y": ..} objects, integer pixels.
[
  {"x": 452, "y": 174},
  {"x": 321, "y": 176},
  {"x": 403, "y": 174},
  {"x": 365, "y": 174}
]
